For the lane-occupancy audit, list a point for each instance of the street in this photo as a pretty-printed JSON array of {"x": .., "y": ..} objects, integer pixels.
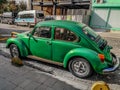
[{"x": 36, "y": 75}]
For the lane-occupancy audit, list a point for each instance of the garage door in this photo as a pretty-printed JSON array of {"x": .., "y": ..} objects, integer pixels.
[
  {"x": 99, "y": 18},
  {"x": 114, "y": 19}
]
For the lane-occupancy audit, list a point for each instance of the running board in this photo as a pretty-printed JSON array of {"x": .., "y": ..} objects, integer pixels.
[{"x": 45, "y": 60}]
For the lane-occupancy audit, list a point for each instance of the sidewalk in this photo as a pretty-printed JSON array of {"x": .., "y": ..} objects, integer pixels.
[
  {"x": 110, "y": 34},
  {"x": 104, "y": 33},
  {"x": 26, "y": 78}
]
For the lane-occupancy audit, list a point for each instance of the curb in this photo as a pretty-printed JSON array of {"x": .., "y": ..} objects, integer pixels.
[{"x": 37, "y": 67}]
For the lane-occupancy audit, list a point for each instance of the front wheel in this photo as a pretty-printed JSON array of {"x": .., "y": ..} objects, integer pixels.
[
  {"x": 14, "y": 50},
  {"x": 80, "y": 67}
]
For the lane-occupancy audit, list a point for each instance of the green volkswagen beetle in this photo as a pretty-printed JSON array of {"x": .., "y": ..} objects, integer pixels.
[{"x": 70, "y": 44}]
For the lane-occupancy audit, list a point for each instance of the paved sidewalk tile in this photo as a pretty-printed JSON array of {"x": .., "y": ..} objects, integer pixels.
[{"x": 25, "y": 78}]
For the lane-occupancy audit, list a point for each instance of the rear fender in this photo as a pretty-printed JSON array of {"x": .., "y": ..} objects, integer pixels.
[{"x": 90, "y": 55}]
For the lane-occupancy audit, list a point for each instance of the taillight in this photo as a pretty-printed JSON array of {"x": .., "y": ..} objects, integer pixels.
[{"x": 102, "y": 57}]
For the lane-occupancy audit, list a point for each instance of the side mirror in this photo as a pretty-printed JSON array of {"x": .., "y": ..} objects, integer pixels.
[{"x": 29, "y": 35}]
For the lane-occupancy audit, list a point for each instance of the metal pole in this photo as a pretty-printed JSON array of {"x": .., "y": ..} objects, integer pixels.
[
  {"x": 54, "y": 7},
  {"x": 31, "y": 5},
  {"x": 62, "y": 10},
  {"x": 41, "y": 5}
]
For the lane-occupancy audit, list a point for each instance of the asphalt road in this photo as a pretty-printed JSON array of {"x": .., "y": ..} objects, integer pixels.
[{"x": 112, "y": 79}]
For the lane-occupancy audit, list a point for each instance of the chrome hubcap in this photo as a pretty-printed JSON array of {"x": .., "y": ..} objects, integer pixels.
[
  {"x": 79, "y": 67},
  {"x": 15, "y": 51}
]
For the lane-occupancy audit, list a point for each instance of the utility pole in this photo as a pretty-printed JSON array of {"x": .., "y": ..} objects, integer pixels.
[
  {"x": 54, "y": 6},
  {"x": 41, "y": 5},
  {"x": 31, "y": 1},
  {"x": 29, "y": 5}
]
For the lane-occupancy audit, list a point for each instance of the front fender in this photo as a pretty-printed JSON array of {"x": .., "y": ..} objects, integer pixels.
[
  {"x": 90, "y": 55},
  {"x": 22, "y": 47}
]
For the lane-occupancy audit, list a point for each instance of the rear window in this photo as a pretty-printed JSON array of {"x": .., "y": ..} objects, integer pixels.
[{"x": 90, "y": 33}]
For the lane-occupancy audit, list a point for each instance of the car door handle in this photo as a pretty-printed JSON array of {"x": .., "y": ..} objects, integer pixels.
[{"x": 49, "y": 42}]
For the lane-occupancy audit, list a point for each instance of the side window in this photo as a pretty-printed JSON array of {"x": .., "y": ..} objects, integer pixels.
[
  {"x": 44, "y": 32},
  {"x": 23, "y": 16},
  {"x": 66, "y": 35},
  {"x": 29, "y": 16},
  {"x": 40, "y": 15}
]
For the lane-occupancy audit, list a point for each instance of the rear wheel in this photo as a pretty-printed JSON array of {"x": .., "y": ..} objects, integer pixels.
[
  {"x": 80, "y": 67},
  {"x": 14, "y": 51}
]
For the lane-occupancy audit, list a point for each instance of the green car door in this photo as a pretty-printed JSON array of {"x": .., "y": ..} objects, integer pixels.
[
  {"x": 64, "y": 41},
  {"x": 40, "y": 42}
]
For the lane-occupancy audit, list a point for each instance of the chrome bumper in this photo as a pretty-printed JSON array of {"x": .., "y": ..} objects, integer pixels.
[{"x": 112, "y": 69}]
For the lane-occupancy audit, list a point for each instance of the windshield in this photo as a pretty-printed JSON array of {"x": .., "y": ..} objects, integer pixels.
[
  {"x": 90, "y": 33},
  {"x": 40, "y": 15}
]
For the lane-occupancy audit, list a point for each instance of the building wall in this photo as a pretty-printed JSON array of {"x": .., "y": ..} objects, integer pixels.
[
  {"x": 106, "y": 15},
  {"x": 78, "y": 15},
  {"x": 47, "y": 10}
]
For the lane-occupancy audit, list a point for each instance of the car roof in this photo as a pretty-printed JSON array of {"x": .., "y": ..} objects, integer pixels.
[{"x": 62, "y": 23}]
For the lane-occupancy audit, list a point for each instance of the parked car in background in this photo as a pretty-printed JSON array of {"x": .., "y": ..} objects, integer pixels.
[
  {"x": 29, "y": 18},
  {"x": 8, "y": 17},
  {"x": 49, "y": 18},
  {"x": 70, "y": 44}
]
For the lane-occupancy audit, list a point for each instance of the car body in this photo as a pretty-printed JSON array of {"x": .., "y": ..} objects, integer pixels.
[
  {"x": 8, "y": 17},
  {"x": 70, "y": 44},
  {"x": 29, "y": 18},
  {"x": 49, "y": 18}
]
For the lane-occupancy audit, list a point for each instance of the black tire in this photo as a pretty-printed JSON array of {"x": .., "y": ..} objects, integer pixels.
[
  {"x": 29, "y": 25},
  {"x": 83, "y": 70},
  {"x": 16, "y": 24},
  {"x": 14, "y": 51},
  {"x": 8, "y": 22}
]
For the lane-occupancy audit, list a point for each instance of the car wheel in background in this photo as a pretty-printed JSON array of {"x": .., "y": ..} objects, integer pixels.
[
  {"x": 16, "y": 23},
  {"x": 29, "y": 25},
  {"x": 9, "y": 22}
]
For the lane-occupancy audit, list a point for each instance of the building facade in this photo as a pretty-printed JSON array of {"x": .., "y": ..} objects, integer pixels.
[
  {"x": 105, "y": 14},
  {"x": 75, "y": 10},
  {"x": 59, "y": 7}
]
